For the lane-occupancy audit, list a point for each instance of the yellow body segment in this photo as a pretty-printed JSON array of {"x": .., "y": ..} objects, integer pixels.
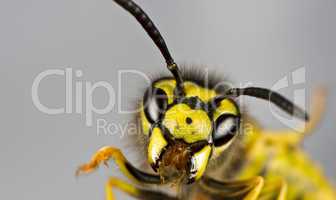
[
  {"x": 175, "y": 121},
  {"x": 278, "y": 155},
  {"x": 278, "y": 158},
  {"x": 168, "y": 86},
  {"x": 201, "y": 161},
  {"x": 121, "y": 185},
  {"x": 226, "y": 106},
  {"x": 191, "y": 90},
  {"x": 156, "y": 144}
]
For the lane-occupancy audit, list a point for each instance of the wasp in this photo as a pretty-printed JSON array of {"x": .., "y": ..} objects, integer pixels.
[{"x": 198, "y": 146}]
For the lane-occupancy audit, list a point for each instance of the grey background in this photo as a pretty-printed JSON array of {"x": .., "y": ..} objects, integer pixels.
[{"x": 258, "y": 41}]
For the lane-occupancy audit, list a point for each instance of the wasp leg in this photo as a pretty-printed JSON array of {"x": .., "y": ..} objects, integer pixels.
[
  {"x": 245, "y": 189},
  {"x": 275, "y": 190},
  {"x": 105, "y": 154},
  {"x": 133, "y": 191}
]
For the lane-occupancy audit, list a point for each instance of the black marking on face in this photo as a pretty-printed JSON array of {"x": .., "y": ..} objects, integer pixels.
[{"x": 189, "y": 120}]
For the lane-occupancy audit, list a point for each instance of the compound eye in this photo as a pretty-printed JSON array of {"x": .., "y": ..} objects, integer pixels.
[
  {"x": 226, "y": 127},
  {"x": 155, "y": 104}
]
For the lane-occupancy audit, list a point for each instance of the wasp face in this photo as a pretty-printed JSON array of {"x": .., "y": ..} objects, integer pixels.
[{"x": 184, "y": 133}]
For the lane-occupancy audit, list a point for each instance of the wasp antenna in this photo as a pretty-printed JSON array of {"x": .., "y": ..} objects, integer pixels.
[
  {"x": 272, "y": 96},
  {"x": 155, "y": 35}
]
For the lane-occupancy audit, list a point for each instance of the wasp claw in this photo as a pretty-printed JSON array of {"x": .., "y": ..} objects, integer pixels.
[
  {"x": 86, "y": 168},
  {"x": 103, "y": 155}
]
